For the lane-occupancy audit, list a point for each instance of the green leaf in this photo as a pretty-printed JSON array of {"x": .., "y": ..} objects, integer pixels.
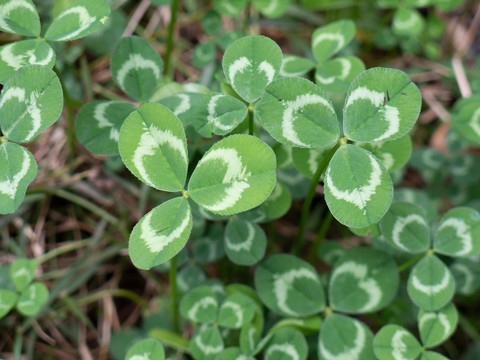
[
  {"x": 250, "y": 64},
  {"x": 236, "y": 311},
  {"x": 394, "y": 342},
  {"x": 21, "y": 53},
  {"x": 31, "y": 101},
  {"x": 200, "y": 305},
  {"x": 307, "y": 161},
  {"x": 249, "y": 338},
  {"x": 32, "y": 299},
  {"x": 382, "y": 104},
  {"x": 278, "y": 203},
  {"x": 183, "y": 105},
  {"x": 204, "y": 54},
  {"x": 218, "y": 113},
  {"x": 226, "y": 39},
  {"x": 466, "y": 273},
  {"x": 330, "y": 39},
  {"x": 289, "y": 286},
  {"x": 430, "y": 355},
  {"x": 232, "y": 354},
  {"x": 407, "y": 22},
  {"x": 207, "y": 343},
  {"x": 81, "y": 18},
  {"x": 211, "y": 22},
  {"x": 190, "y": 277},
  {"x": 98, "y": 125},
  {"x": 466, "y": 119},
  {"x": 363, "y": 280},
  {"x": 458, "y": 233},
  {"x": 342, "y": 338},
  {"x": 393, "y": 154},
  {"x": 245, "y": 242},
  {"x": 235, "y": 175},
  {"x": 136, "y": 68},
  {"x": 8, "y": 299},
  {"x": 287, "y": 344},
  {"x": 209, "y": 248},
  {"x": 19, "y": 17},
  {"x": 405, "y": 227},
  {"x": 293, "y": 66},
  {"x": 358, "y": 189},
  {"x": 153, "y": 146},
  {"x": 17, "y": 170},
  {"x": 336, "y": 75},
  {"x": 465, "y": 168},
  {"x": 229, "y": 7},
  {"x": 430, "y": 284},
  {"x": 296, "y": 112},
  {"x": 330, "y": 252},
  {"x": 160, "y": 234},
  {"x": 296, "y": 183},
  {"x": 147, "y": 349},
  {"x": 271, "y": 8},
  {"x": 22, "y": 273},
  {"x": 437, "y": 326}
]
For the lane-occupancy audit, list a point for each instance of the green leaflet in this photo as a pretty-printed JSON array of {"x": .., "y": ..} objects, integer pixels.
[
  {"x": 296, "y": 112},
  {"x": 337, "y": 74},
  {"x": 104, "y": 40},
  {"x": 430, "y": 284},
  {"x": 17, "y": 170},
  {"x": 363, "y": 280},
  {"x": 286, "y": 344},
  {"x": 31, "y": 101},
  {"x": 393, "y": 154},
  {"x": 190, "y": 277},
  {"x": 183, "y": 105},
  {"x": 466, "y": 119},
  {"x": 32, "y": 299},
  {"x": 229, "y": 7},
  {"x": 330, "y": 39},
  {"x": 232, "y": 354},
  {"x": 244, "y": 242},
  {"x": 98, "y": 125},
  {"x": 358, "y": 189},
  {"x": 136, "y": 68},
  {"x": 307, "y": 161},
  {"x": 437, "y": 326},
  {"x": 218, "y": 113},
  {"x": 19, "y": 17},
  {"x": 211, "y": 22},
  {"x": 250, "y": 64},
  {"x": 430, "y": 355},
  {"x": 407, "y": 22},
  {"x": 236, "y": 174},
  {"x": 22, "y": 273},
  {"x": 160, "y": 234},
  {"x": 81, "y": 18},
  {"x": 200, "y": 305},
  {"x": 465, "y": 168},
  {"x": 293, "y": 66},
  {"x": 236, "y": 311},
  {"x": 466, "y": 273},
  {"x": 278, "y": 203},
  {"x": 289, "y": 286},
  {"x": 330, "y": 252},
  {"x": 458, "y": 233},
  {"x": 8, "y": 299},
  {"x": 382, "y": 104},
  {"x": 146, "y": 349},
  {"x": 21, "y": 53},
  {"x": 153, "y": 146},
  {"x": 204, "y": 54},
  {"x": 207, "y": 343},
  {"x": 429, "y": 162},
  {"x": 394, "y": 342},
  {"x": 271, "y": 8},
  {"x": 405, "y": 227},
  {"x": 209, "y": 248},
  {"x": 249, "y": 338},
  {"x": 342, "y": 337}
]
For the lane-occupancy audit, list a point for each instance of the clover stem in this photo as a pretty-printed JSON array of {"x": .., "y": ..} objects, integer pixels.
[
  {"x": 171, "y": 30},
  {"x": 246, "y": 20},
  {"x": 174, "y": 293},
  {"x": 412, "y": 262},
  {"x": 250, "y": 119},
  {"x": 309, "y": 198},
  {"x": 320, "y": 237},
  {"x": 469, "y": 328}
]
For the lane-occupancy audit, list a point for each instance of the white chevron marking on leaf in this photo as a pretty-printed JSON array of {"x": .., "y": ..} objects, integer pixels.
[
  {"x": 17, "y": 61},
  {"x": 84, "y": 19},
  {"x": 399, "y": 348},
  {"x": 268, "y": 69},
  {"x": 31, "y": 297},
  {"x": 469, "y": 282},
  {"x": 362, "y": 93},
  {"x": 299, "y": 103},
  {"x": 284, "y": 349},
  {"x": 350, "y": 353},
  {"x": 9, "y": 187},
  {"x": 238, "y": 66},
  {"x": 245, "y": 245},
  {"x": 203, "y": 304},
  {"x": 284, "y": 73},
  {"x": 145, "y": 356},
  {"x": 339, "y": 38},
  {"x": 400, "y": 225},
  {"x": 236, "y": 175},
  {"x": 346, "y": 67},
  {"x": 369, "y": 286},
  {"x": 284, "y": 283},
  {"x": 156, "y": 242},
  {"x": 475, "y": 122},
  {"x": 184, "y": 105},
  {"x": 442, "y": 318},
  {"x": 406, "y": 23},
  {"x": 272, "y": 6},
  {"x": 237, "y": 311},
  {"x": 462, "y": 231},
  {"x": 207, "y": 349},
  {"x": 387, "y": 160},
  {"x": 325, "y": 80},
  {"x": 391, "y": 115},
  {"x": 100, "y": 115},
  {"x": 313, "y": 156},
  {"x": 361, "y": 195},
  {"x": 212, "y": 118},
  {"x": 431, "y": 289},
  {"x": 10, "y": 6},
  {"x": 136, "y": 61}
]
